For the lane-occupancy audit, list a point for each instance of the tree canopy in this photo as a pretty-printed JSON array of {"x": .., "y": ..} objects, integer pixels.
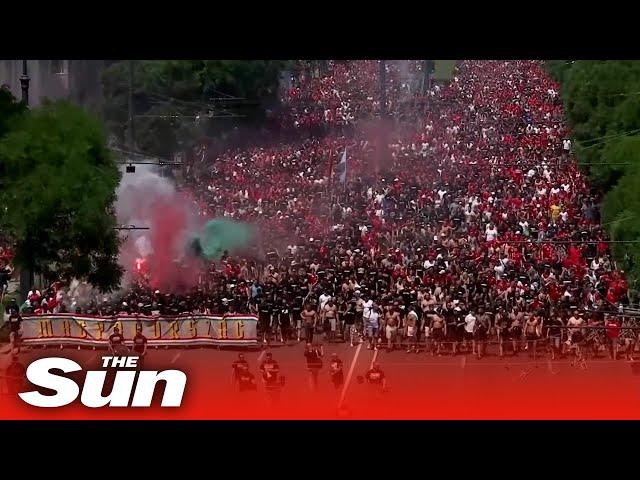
[
  {"x": 59, "y": 180},
  {"x": 602, "y": 106},
  {"x": 170, "y": 94},
  {"x": 9, "y": 110}
]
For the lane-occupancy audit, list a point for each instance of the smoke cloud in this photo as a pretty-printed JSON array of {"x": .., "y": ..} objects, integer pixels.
[{"x": 145, "y": 199}]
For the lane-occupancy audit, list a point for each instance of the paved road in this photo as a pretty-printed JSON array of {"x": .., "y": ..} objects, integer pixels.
[{"x": 420, "y": 386}]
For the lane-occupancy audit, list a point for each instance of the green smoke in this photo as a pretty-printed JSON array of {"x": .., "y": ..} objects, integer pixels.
[{"x": 220, "y": 235}]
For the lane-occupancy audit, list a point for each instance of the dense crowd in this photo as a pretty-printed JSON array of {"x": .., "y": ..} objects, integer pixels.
[
  {"x": 347, "y": 93},
  {"x": 6, "y": 259},
  {"x": 474, "y": 219}
]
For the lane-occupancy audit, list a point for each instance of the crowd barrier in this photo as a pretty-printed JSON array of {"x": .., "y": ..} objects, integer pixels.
[{"x": 72, "y": 329}]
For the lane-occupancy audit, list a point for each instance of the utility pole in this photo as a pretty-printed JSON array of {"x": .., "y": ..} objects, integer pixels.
[
  {"x": 131, "y": 116},
  {"x": 427, "y": 76},
  {"x": 26, "y": 272},
  {"x": 383, "y": 89},
  {"x": 24, "y": 83}
]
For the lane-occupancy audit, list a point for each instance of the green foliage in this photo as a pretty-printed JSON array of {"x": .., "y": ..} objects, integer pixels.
[
  {"x": 9, "y": 110},
  {"x": 444, "y": 70},
  {"x": 169, "y": 94},
  {"x": 617, "y": 157},
  {"x": 60, "y": 179},
  {"x": 557, "y": 68},
  {"x": 621, "y": 214},
  {"x": 602, "y": 105}
]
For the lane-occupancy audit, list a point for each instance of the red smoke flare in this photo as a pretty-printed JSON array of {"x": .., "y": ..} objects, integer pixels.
[{"x": 168, "y": 233}]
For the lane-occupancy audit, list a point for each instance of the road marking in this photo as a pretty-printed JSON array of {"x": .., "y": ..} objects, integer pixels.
[
  {"x": 463, "y": 362},
  {"x": 502, "y": 364},
  {"x": 175, "y": 357},
  {"x": 350, "y": 374},
  {"x": 261, "y": 356},
  {"x": 373, "y": 360},
  {"x": 550, "y": 365}
]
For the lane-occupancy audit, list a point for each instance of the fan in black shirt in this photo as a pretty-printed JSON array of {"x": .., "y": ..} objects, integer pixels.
[
  {"x": 15, "y": 321},
  {"x": 554, "y": 334},
  {"x": 264, "y": 315},
  {"x": 284, "y": 321},
  {"x": 270, "y": 372},
  {"x": 375, "y": 376},
  {"x": 12, "y": 307},
  {"x": 296, "y": 310},
  {"x": 15, "y": 374},
  {"x": 116, "y": 342},
  {"x": 242, "y": 377},
  {"x": 314, "y": 363},
  {"x": 140, "y": 348},
  {"x": 337, "y": 374}
]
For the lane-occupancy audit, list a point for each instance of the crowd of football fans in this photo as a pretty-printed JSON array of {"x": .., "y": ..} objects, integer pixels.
[{"x": 474, "y": 221}]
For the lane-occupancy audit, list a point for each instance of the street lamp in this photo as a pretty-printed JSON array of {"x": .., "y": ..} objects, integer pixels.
[
  {"x": 24, "y": 83},
  {"x": 26, "y": 274}
]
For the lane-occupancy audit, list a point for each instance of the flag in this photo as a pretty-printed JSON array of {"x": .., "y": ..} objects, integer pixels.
[{"x": 341, "y": 170}]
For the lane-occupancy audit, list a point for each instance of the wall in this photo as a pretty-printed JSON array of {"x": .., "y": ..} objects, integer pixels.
[{"x": 75, "y": 80}]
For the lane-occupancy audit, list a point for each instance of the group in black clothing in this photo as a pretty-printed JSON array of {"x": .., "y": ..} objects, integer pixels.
[
  {"x": 272, "y": 379},
  {"x": 117, "y": 345},
  {"x": 14, "y": 320}
]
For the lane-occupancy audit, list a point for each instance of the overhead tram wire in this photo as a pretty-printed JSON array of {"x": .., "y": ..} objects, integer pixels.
[
  {"x": 567, "y": 242},
  {"x": 130, "y": 227},
  {"x": 610, "y": 136},
  {"x": 604, "y": 140}
]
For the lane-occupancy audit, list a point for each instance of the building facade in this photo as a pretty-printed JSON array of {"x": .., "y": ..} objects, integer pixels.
[{"x": 76, "y": 80}]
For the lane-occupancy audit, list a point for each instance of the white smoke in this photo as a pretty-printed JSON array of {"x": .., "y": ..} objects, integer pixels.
[{"x": 138, "y": 196}]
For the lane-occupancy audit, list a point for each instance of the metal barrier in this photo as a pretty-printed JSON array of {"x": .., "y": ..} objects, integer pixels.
[
  {"x": 491, "y": 339},
  {"x": 6, "y": 385}
]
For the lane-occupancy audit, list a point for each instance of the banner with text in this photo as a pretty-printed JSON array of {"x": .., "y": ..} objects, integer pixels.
[{"x": 74, "y": 329}]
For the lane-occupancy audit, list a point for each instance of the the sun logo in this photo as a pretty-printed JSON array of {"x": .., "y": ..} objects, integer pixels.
[{"x": 141, "y": 383}]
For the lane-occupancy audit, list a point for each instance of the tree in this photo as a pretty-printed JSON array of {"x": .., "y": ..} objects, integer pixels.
[
  {"x": 618, "y": 157},
  {"x": 9, "y": 110},
  {"x": 602, "y": 106},
  {"x": 60, "y": 179},
  {"x": 170, "y": 94},
  {"x": 621, "y": 213},
  {"x": 557, "y": 68}
]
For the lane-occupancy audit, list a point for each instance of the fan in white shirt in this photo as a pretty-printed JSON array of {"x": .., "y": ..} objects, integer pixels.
[
  {"x": 427, "y": 264},
  {"x": 469, "y": 323},
  {"x": 491, "y": 232},
  {"x": 368, "y": 309},
  {"x": 324, "y": 298}
]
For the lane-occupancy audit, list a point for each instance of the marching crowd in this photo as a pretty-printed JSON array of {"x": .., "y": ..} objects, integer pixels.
[
  {"x": 349, "y": 92},
  {"x": 474, "y": 223}
]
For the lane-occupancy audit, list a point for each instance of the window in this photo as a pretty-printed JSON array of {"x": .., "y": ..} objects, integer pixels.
[{"x": 58, "y": 67}]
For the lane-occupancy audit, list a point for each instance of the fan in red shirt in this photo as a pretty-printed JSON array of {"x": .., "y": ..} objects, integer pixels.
[{"x": 613, "y": 334}]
